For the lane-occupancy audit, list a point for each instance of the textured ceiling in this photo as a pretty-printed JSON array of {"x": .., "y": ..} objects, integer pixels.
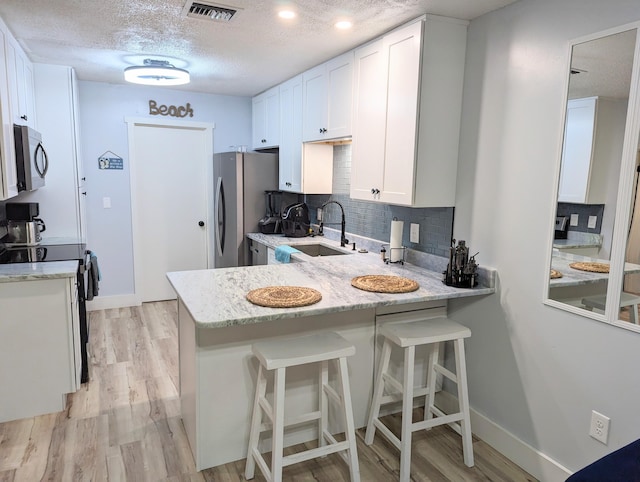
[
  {"x": 604, "y": 65},
  {"x": 254, "y": 51}
]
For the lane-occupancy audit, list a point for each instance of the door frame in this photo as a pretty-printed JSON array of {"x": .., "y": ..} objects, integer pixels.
[{"x": 207, "y": 127}]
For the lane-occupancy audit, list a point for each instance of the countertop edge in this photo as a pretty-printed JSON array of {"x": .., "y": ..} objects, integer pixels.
[
  {"x": 14, "y": 272},
  {"x": 336, "y": 309}
]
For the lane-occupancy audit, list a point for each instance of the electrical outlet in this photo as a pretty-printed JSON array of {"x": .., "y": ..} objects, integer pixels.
[
  {"x": 599, "y": 428},
  {"x": 574, "y": 220},
  {"x": 414, "y": 234},
  {"x": 592, "y": 222}
]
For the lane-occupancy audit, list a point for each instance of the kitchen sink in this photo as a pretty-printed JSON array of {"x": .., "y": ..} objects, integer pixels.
[{"x": 318, "y": 249}]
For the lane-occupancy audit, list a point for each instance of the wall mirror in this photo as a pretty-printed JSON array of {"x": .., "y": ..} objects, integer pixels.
[{"x": 595, "y": 256}]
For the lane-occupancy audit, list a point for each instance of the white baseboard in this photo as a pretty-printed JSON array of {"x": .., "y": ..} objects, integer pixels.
[
  {"x": 117, "y": 301},
  {"x": 519, "y": 452}
]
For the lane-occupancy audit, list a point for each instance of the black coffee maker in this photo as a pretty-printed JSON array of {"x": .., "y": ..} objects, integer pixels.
[{"x": 271, "y": 223}]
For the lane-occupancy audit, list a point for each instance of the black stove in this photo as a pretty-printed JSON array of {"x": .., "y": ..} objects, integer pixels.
[{"x": 43, "y": 253}]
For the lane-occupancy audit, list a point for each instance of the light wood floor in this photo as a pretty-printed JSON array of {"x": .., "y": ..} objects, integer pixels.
[{"x": 124, "y": 425}]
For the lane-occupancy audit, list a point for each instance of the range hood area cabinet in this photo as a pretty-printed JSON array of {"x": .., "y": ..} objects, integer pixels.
[
  {"x": 266, "y": 119},
  {"x": 593, "y": 136},
  {"x": 304, "y": 168},
  {"x": 327, "y": 99},
  {"x": 17, "y": 105},
  {"x": 407, "y": 109}
]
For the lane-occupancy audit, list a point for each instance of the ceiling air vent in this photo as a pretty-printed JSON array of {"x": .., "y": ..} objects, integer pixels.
[{"x": 206, "y": 11}]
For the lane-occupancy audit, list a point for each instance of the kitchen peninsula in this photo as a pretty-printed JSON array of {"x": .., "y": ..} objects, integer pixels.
[{"x": 217, "y": 326}]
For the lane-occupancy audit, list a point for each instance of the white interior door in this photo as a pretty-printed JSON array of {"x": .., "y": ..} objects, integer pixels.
[{"x": 171, "y": 176}]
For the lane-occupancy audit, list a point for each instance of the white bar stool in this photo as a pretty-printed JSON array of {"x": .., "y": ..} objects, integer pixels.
[
  {"x": 408, "y": 335},
  {"x": 626, "y": 299},
  {"x": 277, "y": 355}
]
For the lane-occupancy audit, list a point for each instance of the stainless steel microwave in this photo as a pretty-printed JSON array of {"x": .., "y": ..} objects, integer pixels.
[{"x": 32, "y": 162}]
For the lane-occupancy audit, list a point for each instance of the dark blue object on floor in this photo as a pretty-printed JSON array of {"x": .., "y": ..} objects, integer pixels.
[{"x": 623, "y": 465}]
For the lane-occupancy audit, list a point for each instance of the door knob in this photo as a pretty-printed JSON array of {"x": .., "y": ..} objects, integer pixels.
[{"x": 200, "y": 223}]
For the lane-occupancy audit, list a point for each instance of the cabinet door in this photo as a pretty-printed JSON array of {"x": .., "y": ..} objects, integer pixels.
[
  {"x": 79, "y": 165},
  {"x": 577, "y": 150},
  {"x": 258, "y": 253},
  {"x": 62, "y": 203},
  {"x": 8, "y": 176},
  {"x": 266, "y": 119},
  {"x": 314, "y": 104},
  {"x": 339, "y": 106},
  {"x": 290, "y": 156},
  {"x": 27, "y": 92},
  {"x": 403, "y": 49},
  {"x": 369, "y": 113},
  {"x": 328, "y": 96},
  {"x": 21, "y": 90}
]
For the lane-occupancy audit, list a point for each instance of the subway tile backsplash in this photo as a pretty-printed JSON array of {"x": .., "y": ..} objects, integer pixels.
[
  {"x": 373, "y": 220},
  {"x": 583, "y": 211}
]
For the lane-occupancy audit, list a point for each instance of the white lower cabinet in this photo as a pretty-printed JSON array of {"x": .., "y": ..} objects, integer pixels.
[
  {"x": 407, "y": 109},
  {"x": 257, "y": 253},
  {"x": 39, "y": 346}
]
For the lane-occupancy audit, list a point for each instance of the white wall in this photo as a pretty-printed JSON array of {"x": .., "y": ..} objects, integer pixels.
[
  {"x": 534, "y": 370},
  {"x": 103, "y": 108}
]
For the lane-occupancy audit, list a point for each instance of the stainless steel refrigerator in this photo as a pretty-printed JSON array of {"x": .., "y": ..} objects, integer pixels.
[{"x": 241, "y": 179}]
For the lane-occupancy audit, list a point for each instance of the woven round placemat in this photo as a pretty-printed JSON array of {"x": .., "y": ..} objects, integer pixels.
[
  {"x": 284, "y": 296},
  {"x": 555, "y": 274},
  {"x": 381, "y": 283},
  {"x": 592, "y": 267}
]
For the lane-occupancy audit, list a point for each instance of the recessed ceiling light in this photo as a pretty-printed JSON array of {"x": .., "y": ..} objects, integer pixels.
[
  {"x": 343, "y": 24},
  {"x": 287, "y": 14},
  {"x": 156, "y": 72}
]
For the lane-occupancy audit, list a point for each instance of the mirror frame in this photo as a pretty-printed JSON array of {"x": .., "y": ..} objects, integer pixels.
[{"x": 625, "y": 189}]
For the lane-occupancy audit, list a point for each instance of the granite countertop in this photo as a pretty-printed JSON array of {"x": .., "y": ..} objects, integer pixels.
[
  {"x": 572, "y": 277},
  {"x": 37, "y": 271},
  {"x": 215, "y": 298},
  {"x": 576, "y": 239}
]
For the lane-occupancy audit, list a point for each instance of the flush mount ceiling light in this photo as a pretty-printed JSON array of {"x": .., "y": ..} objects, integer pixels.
[
  {"x": 156, "y": 72},
  {"x": 286, "y": 14},
  {"x": 343, "y": 24}
]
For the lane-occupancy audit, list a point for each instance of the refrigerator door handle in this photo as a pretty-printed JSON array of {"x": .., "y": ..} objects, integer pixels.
[{"x": 221, "y": 221}]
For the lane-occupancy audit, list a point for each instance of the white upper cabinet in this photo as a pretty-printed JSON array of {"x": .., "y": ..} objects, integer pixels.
[
  {"x": 328, "y": 95},
  {"x": 290, "y": 154},
  {"x": 406, "y": 114},
  {"x": 8, "y": 95},
  {"x": 266, "y": 119},
  {"x": 21, "y": 86},
  {"x": 593, "y": 136},
  {"x": 304, "y": 168}
]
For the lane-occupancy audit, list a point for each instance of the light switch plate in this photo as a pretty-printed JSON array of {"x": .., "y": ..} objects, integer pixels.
[
  {"x": 574, "y": 220},
  {"x": 414, "y": 234},
  {"x": 106, "y": 202},
  {"x": 592, "y": 222}
]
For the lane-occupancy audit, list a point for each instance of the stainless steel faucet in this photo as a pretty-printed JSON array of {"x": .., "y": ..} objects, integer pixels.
[{"x": 343, "y": 240}]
